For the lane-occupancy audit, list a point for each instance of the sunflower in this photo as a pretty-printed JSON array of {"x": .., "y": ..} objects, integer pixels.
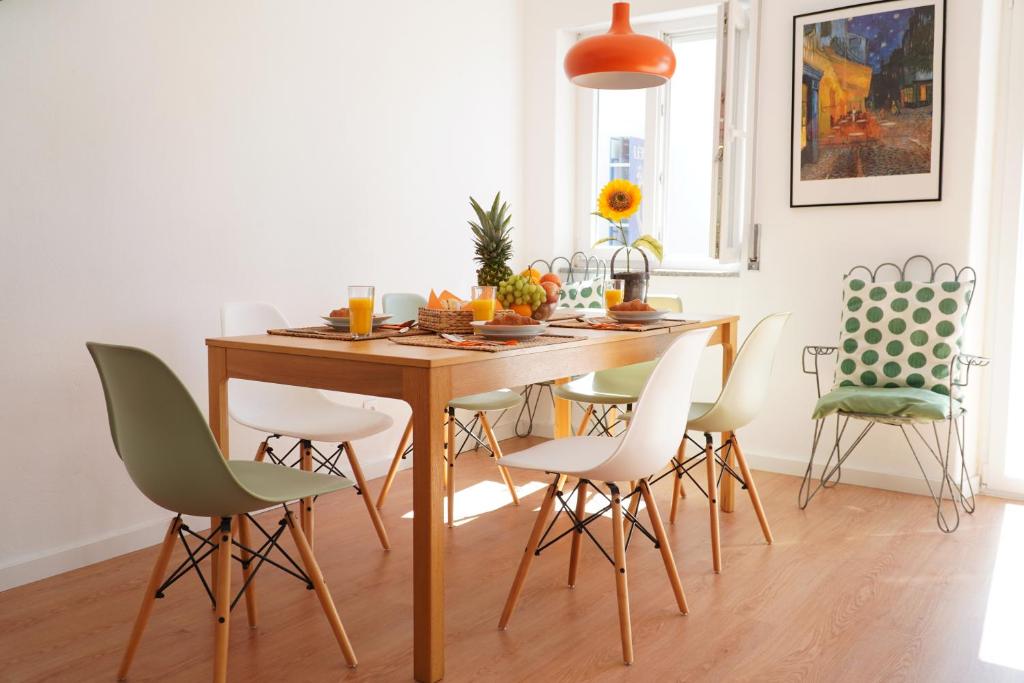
[{"x": 619, "y": 199}]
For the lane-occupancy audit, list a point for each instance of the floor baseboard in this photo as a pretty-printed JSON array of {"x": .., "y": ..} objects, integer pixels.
[
  {"x": 40, "y": 566},
  {"x": 28, "y": 569}
]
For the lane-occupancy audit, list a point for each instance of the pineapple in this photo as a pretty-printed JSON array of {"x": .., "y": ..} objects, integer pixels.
[{"x": 492, "y": 241}]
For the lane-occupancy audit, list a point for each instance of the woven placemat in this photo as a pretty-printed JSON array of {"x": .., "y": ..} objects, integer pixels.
[
  {"x": 439, "y": 343},
  {"x": 609, "y": 324},
  {"x": 325, "y": 332}
]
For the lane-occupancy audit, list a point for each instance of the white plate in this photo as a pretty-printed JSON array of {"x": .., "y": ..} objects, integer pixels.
[
  {"x": 342, "y": 323},
  {"x": 509, "y": 331},
  {"x": 637, "y": 316}
]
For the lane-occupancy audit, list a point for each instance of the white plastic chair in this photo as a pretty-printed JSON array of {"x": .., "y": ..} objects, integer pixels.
[
  {"x": 654, "y": 433},
  {"x": 741, "y": 400},
  {"x": 306, "y": 415}
]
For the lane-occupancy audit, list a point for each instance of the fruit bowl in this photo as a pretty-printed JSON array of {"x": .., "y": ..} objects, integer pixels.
[
  {"x": 544, "y": 311},
  {"x": 530, "y": 293}
]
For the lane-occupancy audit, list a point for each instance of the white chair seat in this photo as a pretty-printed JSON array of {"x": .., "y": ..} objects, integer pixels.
[
  {"x": 578, "y": 456},
  {"x": 305, "y": 414}
]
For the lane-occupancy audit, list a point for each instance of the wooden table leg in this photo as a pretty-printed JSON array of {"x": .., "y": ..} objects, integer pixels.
[
  {"x": 727, "y": 493},
  {"x": 428, "y": 392},
  {"x": 563, "y": 414},
  {"x": 217, "y": 382}
]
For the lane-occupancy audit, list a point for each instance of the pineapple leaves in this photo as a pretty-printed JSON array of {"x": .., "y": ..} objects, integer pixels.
[{"x": 492, "y": 241}]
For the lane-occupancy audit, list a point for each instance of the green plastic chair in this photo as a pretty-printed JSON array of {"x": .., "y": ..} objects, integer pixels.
[
  {"x": 405, "y": 306},
  {"x": 171, "y": 456},
  {"x": 603, "y": 391}
]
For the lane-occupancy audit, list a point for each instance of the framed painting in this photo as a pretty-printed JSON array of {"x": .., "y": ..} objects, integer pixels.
[{"x": 868, "y": 104}]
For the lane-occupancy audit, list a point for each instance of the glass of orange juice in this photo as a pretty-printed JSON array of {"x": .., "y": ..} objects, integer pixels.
[
  {"x": 482, "y": 302},
  {"x": 360, "y": 310},
  {"x": 613, "y": 292}
]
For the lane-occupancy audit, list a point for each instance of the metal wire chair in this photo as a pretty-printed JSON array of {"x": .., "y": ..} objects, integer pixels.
[{"x": 960, "y": 490}]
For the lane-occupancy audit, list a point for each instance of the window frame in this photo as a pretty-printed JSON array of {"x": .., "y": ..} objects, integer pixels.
[{"x": 733, "y": 148}]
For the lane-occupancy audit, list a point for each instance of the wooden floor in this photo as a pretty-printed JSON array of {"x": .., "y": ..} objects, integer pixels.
[{"x": 860, "y": 587}]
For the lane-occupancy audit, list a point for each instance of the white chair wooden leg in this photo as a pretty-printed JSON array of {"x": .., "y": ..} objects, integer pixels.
[
  {"x": 709, "y": 464},
  {"x": 621, "y": 586},
  {"x": 528, "y": 554}
]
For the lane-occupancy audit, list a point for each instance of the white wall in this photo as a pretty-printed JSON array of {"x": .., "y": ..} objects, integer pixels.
[
  {"x": 805, "y": 250},
  {"x": 161, "y": 157}
]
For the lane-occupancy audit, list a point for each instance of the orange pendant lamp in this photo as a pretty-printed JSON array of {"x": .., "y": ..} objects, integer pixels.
[{"x": 620, "y": 59}]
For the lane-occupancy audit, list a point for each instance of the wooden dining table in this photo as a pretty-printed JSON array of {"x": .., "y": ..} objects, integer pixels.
[{"x": 427, "y": 379}]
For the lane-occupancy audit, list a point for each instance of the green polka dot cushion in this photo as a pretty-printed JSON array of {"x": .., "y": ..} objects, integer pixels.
[
  {"x": 583, "y": 294},
  {"x": 900, "y": 334}
]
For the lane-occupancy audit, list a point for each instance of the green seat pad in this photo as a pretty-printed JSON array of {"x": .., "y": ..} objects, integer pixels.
[
  {"x": 501, "y": 399},
  {"x": 905, "y": 402},
  {"x": 583, "y": 294},
  {"x": 615, "y": 386},
  {"x": 900, "y": 334}
]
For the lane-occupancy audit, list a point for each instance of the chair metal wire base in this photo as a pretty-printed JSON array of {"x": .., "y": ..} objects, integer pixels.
[
  {"x": 602, "y": 419},
  {"x": 682, "y": 468},
  {"x": 256, "y": 557},
  {"x": 323, "y": 463},
  {"x": 952, "y": 494},
  {"x": 579, "y": 525}
]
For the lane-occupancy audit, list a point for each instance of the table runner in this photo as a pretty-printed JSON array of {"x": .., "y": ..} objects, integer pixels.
[
  {"x": 609, "y": 324},
  {"x": 326, "y": 332},
  {"x": 439, "y": 343}
]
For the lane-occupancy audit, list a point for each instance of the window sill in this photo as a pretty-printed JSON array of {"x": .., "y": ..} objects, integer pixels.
[{"x": 727, "y": 270}]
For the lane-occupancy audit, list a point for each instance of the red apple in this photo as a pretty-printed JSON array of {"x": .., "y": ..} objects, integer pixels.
[{"x": 552, "y": 291}]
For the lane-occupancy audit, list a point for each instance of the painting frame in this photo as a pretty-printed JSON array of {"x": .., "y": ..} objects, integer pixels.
[{"x": 896, "y": 188}]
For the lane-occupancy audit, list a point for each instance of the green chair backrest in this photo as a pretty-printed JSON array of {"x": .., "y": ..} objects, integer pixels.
[
  {"x": 162, "y": 437},
  {"x": 403, "y": 306},
  {"x": 666, "y": 302}
]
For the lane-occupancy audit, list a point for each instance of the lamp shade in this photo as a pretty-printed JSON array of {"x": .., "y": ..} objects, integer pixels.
[{"x": 620, "y": 59}]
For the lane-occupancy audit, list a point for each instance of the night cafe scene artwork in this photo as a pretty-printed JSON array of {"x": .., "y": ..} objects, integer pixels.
[{"x": 867, "y": 104}]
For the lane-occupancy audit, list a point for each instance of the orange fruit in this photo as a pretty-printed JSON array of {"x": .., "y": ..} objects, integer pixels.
[
  {"x": 523, "y": 309},
  {"x": 533, "y": 274},
  {"x": 551, "y": 277}
]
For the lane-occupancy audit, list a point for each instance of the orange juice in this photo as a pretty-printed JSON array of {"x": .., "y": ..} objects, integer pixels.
[
  {"x": 612, "y": 297},
  {"x": 360, "y": 311},
  {"x": 483, "y": 309}
]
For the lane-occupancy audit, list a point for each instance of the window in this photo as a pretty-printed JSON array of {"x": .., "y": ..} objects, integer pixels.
[{"x": 685, "y": 144}]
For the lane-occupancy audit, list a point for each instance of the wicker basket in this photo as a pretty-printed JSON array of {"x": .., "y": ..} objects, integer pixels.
[
  {"x": 448, "y": 322},
  {"x": 451, "y": 322}
]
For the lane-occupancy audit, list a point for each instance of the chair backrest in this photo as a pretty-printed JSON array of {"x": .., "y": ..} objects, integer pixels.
[
  {"x": 403, "y": 306},
  {"x": 250, "y": 402},
  {"x": 251, "y": 317},
  {"x": 666, "y": 302},
  {"x": 162, "y": 436},
  {"x": 747, "y": 388},
  {"x": 658, "y": 422}
]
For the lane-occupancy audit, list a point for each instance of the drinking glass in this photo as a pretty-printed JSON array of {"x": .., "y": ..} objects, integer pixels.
[
  {"x": 360, "y": 310},
  {"x": 614, "y": 290},
  {"x": 482, "y": 302}
]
